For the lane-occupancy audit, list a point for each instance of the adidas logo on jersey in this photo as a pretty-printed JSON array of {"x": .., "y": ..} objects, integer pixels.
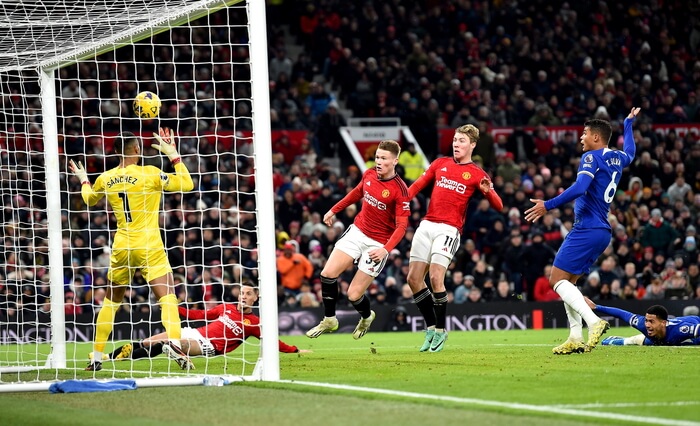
[
  {"x": 444, "y": 169},
  {"x": 368, "y": 183}
]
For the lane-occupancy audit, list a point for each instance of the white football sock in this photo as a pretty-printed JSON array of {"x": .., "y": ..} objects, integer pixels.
[
  {"x": 575, "y": 324},
  {"x": 572, "y": 297},
  {"x": 635, "y": 340}
]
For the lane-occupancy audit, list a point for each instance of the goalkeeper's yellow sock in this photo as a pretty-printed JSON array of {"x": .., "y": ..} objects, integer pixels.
[
  {"x": 103, "y": 328},
  {"x": 170, "y": 317}
]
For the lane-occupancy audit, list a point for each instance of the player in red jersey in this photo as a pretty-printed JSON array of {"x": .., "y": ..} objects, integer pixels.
[
  {"x": 438, "y": 235},
  {"x": 377, "y": 229},
  {"x": 229, "y": 325}
]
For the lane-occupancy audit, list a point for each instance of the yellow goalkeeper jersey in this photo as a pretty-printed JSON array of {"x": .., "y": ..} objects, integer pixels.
[{"x": 134, "y": 194}]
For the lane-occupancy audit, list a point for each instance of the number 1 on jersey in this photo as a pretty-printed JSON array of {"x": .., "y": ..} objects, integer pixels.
[{"x": 127, "y": 210}]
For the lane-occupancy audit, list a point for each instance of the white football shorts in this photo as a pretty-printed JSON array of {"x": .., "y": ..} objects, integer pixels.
[
  {"x": 204, "y": 343},
  {"x": 357, "y": 245},
  {"x": 434, "y": 243}
]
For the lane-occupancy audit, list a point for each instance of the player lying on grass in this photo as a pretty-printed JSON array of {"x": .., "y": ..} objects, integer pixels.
[
  {"x": 656, "y": 327},
  {"x": 229, "y": 325}
]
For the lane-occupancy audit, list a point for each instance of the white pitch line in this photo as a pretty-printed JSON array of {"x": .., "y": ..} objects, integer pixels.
[
  {"x": 628, "y": 404},
  {"x": 501, "y": 404},
  {"x": 692, "y": 347}
]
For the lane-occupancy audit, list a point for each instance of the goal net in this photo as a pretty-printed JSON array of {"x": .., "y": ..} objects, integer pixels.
[{"x": 69, "y": 73}]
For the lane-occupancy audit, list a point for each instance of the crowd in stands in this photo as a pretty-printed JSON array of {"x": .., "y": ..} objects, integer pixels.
[
  {"x": 522, "y": 64},
  {"x": 434, "y": 64}
]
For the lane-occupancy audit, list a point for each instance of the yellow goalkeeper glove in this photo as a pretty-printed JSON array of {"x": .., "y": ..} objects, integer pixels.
[
  {"x": 166, "y": 144},
  {"x": 79, "y": 171}
]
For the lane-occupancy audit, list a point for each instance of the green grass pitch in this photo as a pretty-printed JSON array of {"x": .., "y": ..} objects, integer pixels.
[{"x": 484, "y": 378}]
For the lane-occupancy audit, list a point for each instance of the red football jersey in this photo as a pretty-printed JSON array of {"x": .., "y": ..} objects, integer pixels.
[
  {"x": 382, "y": 202},
  {"x": 453, "y": 186},
  {"x": 228, "y": 327}
]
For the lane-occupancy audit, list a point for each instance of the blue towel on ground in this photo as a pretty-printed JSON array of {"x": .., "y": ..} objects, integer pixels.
[{"x": 75, "y": 386}]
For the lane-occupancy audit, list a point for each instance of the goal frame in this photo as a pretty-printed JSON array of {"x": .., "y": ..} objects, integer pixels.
[{"x": 267, "y": 366}]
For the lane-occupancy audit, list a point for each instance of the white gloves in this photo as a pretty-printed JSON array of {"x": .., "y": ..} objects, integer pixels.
[
  {"x": 166, "y": 144},
  {"x": 79, "y": 171}
]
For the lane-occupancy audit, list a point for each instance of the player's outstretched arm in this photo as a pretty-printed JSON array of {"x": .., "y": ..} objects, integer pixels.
[
  {"x": 198, "y": 314},
  {"x": 290, "y": 349},
  {"x": 417, "y": 186},
  {"x": 166, "y": 144},
  {"x": 351, "y": 198},
  {"x": 79, "y": 171},
  {"x": 90, "y": 196},
  {"x": 181, "y": 179},
  {"x": 329, "y": 218},
  {"x": 378, "y": 254},
  {"x": 583, "y": 181},
  {"x": 535, "y": 212},
  {"x": 634, "y": 112},
  {"x": 589, "y": 302},
  {"x": 630, "y": 147},
  {"x": 634, "y": 320},
  {"x": 486, "y": 187}
]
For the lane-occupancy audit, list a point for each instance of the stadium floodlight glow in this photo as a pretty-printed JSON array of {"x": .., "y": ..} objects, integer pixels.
[{"x": 68, "y": 75}]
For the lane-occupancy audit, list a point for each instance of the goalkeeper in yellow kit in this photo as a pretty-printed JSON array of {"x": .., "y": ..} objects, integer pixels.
[{"x": 134, "y": 194}]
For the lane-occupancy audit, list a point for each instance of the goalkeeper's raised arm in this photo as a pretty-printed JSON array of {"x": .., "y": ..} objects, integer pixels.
[
  {"x": 130, "y": 150},
  {"x": 181, "y": 179}
]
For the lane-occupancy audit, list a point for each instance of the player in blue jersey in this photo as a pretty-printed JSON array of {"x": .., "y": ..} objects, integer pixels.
[
  {"x": 596, "y": 183},
  {"x": 656, "y": 327}
]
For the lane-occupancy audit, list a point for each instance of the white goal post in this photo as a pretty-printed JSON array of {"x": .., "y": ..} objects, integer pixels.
[{"x": 68, "y": 73}]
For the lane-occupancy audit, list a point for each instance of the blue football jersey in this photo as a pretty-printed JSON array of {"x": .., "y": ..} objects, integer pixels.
[
  {"x": 596, "y": 183},
  {"x": 604, "y": 166},
  {"x": 679, "y": 330}
]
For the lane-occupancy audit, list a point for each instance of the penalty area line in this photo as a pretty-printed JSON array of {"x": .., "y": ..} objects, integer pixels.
[{"x": 500, "y": 404}]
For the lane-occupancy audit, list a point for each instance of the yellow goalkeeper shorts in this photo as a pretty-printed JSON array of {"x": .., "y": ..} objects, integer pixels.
[{"x": 123, "y": 263}]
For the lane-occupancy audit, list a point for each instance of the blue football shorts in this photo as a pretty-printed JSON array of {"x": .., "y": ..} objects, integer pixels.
[{"x": 581, "y": 248}]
